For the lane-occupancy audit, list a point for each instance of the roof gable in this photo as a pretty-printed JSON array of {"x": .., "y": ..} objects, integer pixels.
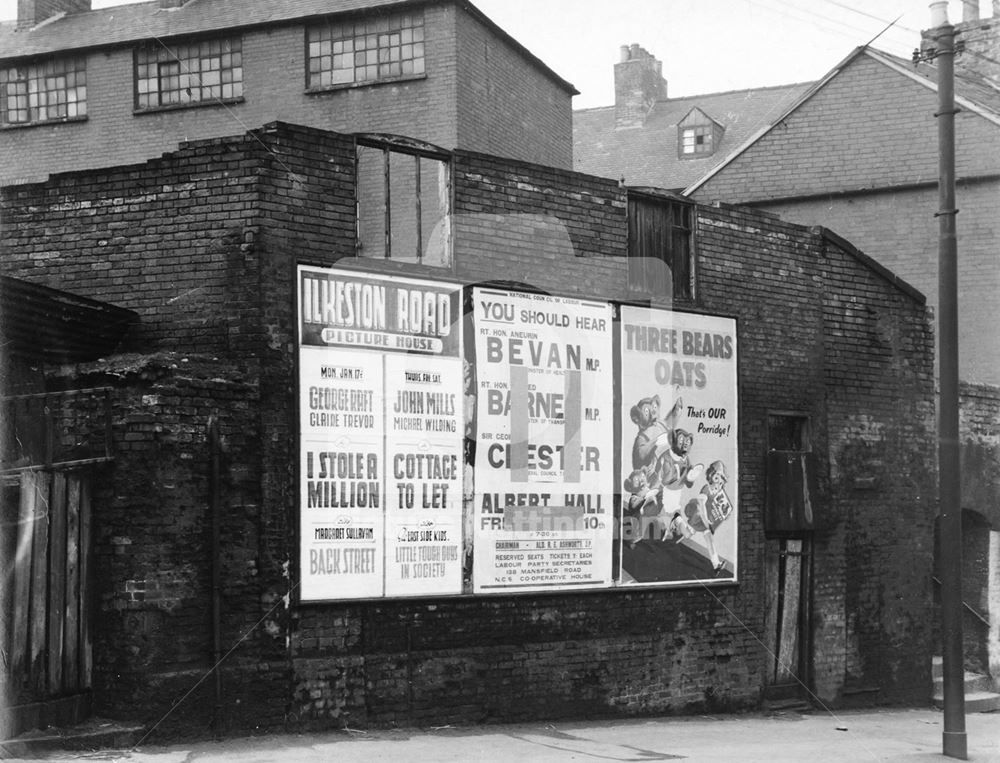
[
  {"x": 863, "y": 118},
  {"x": 698, "y": 118}
]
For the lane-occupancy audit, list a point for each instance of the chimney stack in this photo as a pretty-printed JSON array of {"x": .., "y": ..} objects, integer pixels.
[
  {"x": 639, "y": 84},
  {"x": 981, "y": 37},
  {"x": 31, "y": 13}
]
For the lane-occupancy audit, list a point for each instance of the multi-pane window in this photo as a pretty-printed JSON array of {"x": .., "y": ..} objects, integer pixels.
[
  {"x": 660, "y": 252},
  {"x": 697, "y": 140},
  {"x": 365, "y": 50},
  {"x": 196, "y": 72},
  {"x": 404, "y": 202},
  {"x": 49, "y": 91}
]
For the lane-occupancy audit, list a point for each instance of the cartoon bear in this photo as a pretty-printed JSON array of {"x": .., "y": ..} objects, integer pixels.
[
  {"x": 646, "y": 416},
  {"x": 641, "y": 508}
]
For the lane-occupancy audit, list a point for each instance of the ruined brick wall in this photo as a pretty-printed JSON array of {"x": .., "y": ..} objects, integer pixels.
[
  {"x": 151, "y": 613},
  {"x": 171, "y": 239},
  {"x": 820, "y": 331}
]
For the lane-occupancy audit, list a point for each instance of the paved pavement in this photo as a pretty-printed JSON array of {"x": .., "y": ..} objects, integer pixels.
[{"x": 877, "y": 735}]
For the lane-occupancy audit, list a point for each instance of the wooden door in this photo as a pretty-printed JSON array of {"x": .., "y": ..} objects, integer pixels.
[
  {"x": 46, "y": 651},
  {"x": 788, "y": 591}
]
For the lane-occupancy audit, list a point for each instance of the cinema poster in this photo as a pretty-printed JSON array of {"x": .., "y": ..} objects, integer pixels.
[
  {"x": 678, "y": 424},
  {"x": 381, "y": 433},
  {"x": 544, "y": 466}
]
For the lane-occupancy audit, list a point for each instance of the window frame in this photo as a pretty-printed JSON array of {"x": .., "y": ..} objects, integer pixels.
[
  {"x": 641, "y": 278},
  {"x": 389, "y": 145},
  {"x": 705, "y": 148},
  {"x": 54, "y": 83},
  {"x": 163, "y": 64},
  {"x": 375, "y": 28}
]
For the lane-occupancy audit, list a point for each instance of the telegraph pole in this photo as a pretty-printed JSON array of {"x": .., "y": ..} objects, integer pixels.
[{"x": 954, "y": 742}]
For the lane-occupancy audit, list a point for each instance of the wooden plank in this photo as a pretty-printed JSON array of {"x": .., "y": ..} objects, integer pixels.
[
  {"x": 37, "y": 640},
  {"x": 57, "y": 581},
  {"x": 86, "y": 585},
  {"x": 71, "y": 637},
  {"x": 771, "y": 578},
  {"x": 21, "y": 589},
  {"x": 788, "y": 648}
]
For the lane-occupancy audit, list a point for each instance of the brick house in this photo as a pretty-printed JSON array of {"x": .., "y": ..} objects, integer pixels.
[
  {"x": 857, "y": 152},
  {"x": 215, "y": 540},
  {"x": 82, "y": 88}
]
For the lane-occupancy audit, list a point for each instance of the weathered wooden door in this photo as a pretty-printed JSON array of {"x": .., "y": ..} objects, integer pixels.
[
  {"x": 788, "y": 591},
  {"x": 46, "y": 652}
]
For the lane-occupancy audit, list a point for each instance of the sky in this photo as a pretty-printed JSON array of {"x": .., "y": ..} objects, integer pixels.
[{"x": 706, "y": 46}]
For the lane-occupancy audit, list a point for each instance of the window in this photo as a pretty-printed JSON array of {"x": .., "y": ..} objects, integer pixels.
[
  {"x": 697, "y": 140},
  {"x": 698, "y": 135},
  {"x": 181, "y": 75},
  {"x": 365, "y": 50},
  {"x": 51, "y": 91},
  {"x": 660, "y": 257},
  {"x": 403, "y": 203}
]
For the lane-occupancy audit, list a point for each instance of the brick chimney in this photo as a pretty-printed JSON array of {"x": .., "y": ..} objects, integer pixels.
[
  {"x": 31, "y": 13},
  {"x": 639, "y": 84}
]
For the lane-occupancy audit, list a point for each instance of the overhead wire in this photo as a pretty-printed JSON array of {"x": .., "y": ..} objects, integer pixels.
[{"x": 840, "y": 27}]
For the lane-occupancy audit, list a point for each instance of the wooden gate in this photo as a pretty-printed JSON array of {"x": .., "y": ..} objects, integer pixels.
[{"x": 46, "y": 651}]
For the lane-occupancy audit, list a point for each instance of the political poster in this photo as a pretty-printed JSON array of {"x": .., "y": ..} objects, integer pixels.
[
  {"x": 544, "y": 468},
  {"x": 678, "y": 422},
  {"x": 381, "y": 432}
]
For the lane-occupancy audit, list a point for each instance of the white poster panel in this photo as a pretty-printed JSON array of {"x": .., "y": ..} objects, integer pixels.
[
  {"x": 425, "y": 432},
  {"x": 380, "y": 374},
  {"x": 678, "y": 445},
  {"x": 544, "y": 470},
  {"x": 343, "y": 500}
]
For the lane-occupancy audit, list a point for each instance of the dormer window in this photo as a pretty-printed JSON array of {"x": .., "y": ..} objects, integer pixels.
[{"x": 698, "y": 135}]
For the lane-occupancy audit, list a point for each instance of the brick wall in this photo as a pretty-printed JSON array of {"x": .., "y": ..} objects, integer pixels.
[
  {"x": 820, "y": 330},
  {"x": 504, "y": 101},
  {"x": 504, "y": 107}
]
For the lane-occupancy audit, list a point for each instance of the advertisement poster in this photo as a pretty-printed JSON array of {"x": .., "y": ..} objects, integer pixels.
[
  {"x": 544, "y": 470},
  {"x": 678, "y": 445},
  {"x": 380, "y": 374}
]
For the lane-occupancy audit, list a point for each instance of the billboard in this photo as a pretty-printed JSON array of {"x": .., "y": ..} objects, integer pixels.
[
  {"x": 601, "y": 451},
  {"x": 381, "y": 432},
  {"x": 544, "y": 470},
  {"x": 678, "y": 446}
]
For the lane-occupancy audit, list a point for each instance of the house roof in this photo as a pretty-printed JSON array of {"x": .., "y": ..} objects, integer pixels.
[
  {"x": 972, "y": 92},
  {"x": 128, "y": 24},
  {"x": 648, "y": 155}
]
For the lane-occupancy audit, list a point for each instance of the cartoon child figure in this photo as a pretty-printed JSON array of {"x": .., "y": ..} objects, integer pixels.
[
  {"x": 705, "y": 512},
  {"x": 718, "y": 506}
]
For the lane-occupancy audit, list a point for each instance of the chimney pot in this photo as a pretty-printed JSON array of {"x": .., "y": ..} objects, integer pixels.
[
  {"x": 939, "y": 13},
  {"x": 970, "y": 10},
  {"x": 623, "y": 51}
]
